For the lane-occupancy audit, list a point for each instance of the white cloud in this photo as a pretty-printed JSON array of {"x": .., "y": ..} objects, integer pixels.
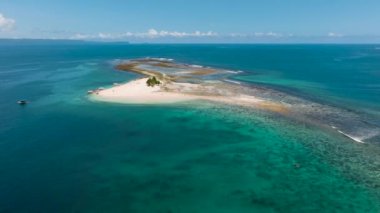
[
  {"x": 268, "y": 34},
  {"x": 260, "y": 35},
  {"x": 79, "y": 36},
  {"x": 105, "y": 36},
  {"x": 331, "y": 34},
  {"x": 150, "y": 34},
  {"x": 153, "y": 34},
  {"x": 6, "y": 23}
]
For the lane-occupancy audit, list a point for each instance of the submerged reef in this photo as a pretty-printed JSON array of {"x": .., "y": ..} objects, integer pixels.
[{"x": 216, "y": 85}]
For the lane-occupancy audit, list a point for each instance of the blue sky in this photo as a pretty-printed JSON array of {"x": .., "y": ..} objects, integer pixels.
[{"x": 193, "y": 20}]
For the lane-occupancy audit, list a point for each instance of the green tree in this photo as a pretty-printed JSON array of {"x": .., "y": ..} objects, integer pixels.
[{"x": 152, "y": 81}]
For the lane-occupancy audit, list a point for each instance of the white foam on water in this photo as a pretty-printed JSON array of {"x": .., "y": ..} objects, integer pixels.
[
  {"x": 234, "y": 72},
  {"x": 231, "y": 81},
  {"x": 196, "y": 66},
  {"x": 161, "y": 59},
  {"x": 349, "y": 136},
  {"x": 366, "y": 134}
]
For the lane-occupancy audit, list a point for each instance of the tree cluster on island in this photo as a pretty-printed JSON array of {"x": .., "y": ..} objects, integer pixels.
[{"x": 152, "y": 81}]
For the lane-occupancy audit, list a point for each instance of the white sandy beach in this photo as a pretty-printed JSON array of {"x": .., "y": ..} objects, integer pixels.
[{"x": 137, "y": 92}]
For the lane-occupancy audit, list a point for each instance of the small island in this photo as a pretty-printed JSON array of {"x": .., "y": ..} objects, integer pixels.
[{"x": 166, "y": 81}]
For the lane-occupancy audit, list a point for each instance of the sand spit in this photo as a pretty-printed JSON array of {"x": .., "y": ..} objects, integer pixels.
[
  {"x": 137, "y": 92},
  {"x": 179, "y": 83}
]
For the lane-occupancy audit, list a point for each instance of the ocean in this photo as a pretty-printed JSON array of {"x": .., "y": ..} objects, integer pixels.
[{"x": 63, "y": 152}]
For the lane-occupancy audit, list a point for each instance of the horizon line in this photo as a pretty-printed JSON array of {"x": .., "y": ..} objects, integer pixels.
[{"x": 168, "y": 43}]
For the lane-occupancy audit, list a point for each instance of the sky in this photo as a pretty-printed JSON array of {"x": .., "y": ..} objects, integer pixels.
[{"x": 182, "y": 21}]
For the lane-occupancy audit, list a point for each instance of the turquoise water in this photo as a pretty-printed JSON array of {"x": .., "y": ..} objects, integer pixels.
[{"x": 65, "y": 153}]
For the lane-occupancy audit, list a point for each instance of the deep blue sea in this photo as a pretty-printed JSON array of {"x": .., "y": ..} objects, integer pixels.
[{"x": 63, "y": 152}]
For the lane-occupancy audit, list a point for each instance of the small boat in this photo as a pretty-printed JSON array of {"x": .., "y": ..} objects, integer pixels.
[
  {"x": 22, "y": 102},
  {"x": 90, "y": 91}
]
